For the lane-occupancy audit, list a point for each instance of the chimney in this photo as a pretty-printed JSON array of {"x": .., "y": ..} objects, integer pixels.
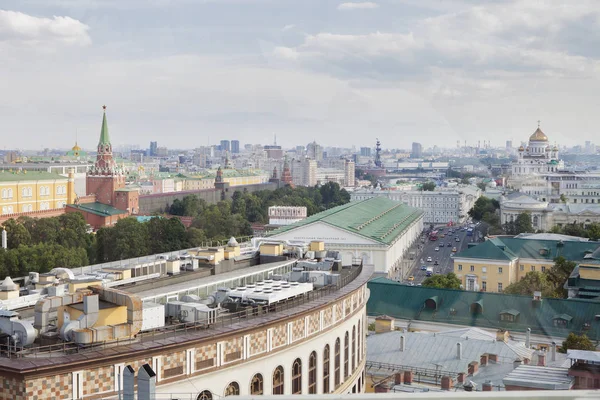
[
  {"x": 541, "y": 359},
  {"x": 128, "y": 383},
  {"x": 459, "y": 351},
  {"x": 528, "y": 338},
  {"x": 402, "y": 342},
  {"x": 553, "y": 351},
  {"x": 146, "y": 383},
  {"x": 537, "y": 299}
]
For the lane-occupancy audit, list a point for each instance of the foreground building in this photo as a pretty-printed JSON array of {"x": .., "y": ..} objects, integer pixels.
[
  {"x": 175, "y": 327},
  {"x": 378, "y": 231}
]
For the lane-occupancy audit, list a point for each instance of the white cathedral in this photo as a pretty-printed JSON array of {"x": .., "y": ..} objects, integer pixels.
[{"x": 539, "y": 157}]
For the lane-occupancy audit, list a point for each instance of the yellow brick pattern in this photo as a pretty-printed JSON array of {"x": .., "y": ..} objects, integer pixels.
[
  {"x": 327, "y": 317},
  {"x": 298, "y": 329},
  {"x": 338, "y": 311},
  {"x": 98, "y": 380},
  {"x": 172, "y": 360},
  {"x": 279, "y": 337},
  {"x": 50, "y": 388},
  {"x": 313, "y": 323},
  {"x": 258, "y": 343},
  {"x": 12, "y": 389}
]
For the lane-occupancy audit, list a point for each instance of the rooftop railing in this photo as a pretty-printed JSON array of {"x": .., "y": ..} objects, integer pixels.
[{"x": 198, "y": 329}]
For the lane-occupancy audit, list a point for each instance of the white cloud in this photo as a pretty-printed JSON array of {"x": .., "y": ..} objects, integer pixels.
[
  {"x": 358, "y": 6},
  {"x": 21, "y": 28},
  {"x": 288, "y": 27}
]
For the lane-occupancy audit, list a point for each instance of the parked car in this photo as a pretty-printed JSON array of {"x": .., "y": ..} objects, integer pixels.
[
  {"x": 423, "y": 267},
  {"x": 411, "y": 278},
  {"x": 437, "y": 249},
  {"x": 454, "y": 249},
  {"x": 429, "y": 259},
  {"x": 457, "y": 239}
]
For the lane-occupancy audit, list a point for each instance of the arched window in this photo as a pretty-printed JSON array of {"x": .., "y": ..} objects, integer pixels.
[
  {"x": 4, "y": 193},
  {"x": 326, "y": 356},
  {"x": 336, "y": 363},
  {"x": 233, "y": 389},
  {"x": 359, "y": 342},
  {"x": 278, "y": 380},
  {"x": 205, "y": 395},
  {"x": 297, "y": 376},
  {"x": 346, "y": 353},
  {"x": 353, "y": 348},
  {"x": 10, "y": 193},
  {"x": 256, "y": 385},
  {"x": 312, "y": 373}
]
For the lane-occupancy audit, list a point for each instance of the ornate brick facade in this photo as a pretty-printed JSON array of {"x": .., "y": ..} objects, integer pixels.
[
  {"x": 338, "y": 311},
  {"x": 279, "y": 337},
  {"x": 206, "y": 356},
  {"x": 50, "y": 387},
  {"x": 12, "y": 389},
  {"x": 258, "y": 343},
  {"x": 234, "y": 348},
  {"x": 327, "y": 317},
  {"x": 313, "y": 323},
  {"x": 172, "y": 364},
  {"x": 98, "y": 380},
  {"x": 298, "y": 329}
]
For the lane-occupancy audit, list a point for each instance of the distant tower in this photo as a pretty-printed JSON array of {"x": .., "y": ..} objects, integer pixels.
[
  {"x": 286, "y": 175},
  {"x": 378, "y": 162}
]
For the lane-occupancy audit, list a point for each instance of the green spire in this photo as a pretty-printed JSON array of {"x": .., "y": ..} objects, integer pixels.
[{"x": 104, "y": 139}]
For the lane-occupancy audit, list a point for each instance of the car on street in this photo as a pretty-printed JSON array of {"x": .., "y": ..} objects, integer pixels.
[
  {"x": 437, "y": 249},
  {"x": 454, "y": 249},
  {"x": 423, "y": 267},
  {"x": 411, "y": 278},
  {"x": 429, "y": 259},
  {"x": 457, "y": 239},
  {"x": 436, "y": 262},
  {"x": 442, "y": 244}
]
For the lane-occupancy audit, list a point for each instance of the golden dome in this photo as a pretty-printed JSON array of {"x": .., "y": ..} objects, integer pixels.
[
  {"x": 76, "y": 147},
  {"x": 555, "y": 148},
  {"x": 521, "y": 148},
  {"x": 539, "y": 136}
]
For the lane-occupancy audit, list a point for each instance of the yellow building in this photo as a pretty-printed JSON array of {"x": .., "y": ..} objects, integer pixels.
[
  {"x": 493, "y": 265},
  {"x": 232, "y": 176},
  {"x": 24, "y": 191}
]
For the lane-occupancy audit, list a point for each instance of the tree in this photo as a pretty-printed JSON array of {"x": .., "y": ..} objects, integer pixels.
[
  {"x": 523, "y": 223},
  {"x": 448, "y": 281},
  {"x": 481, "y": 186},
  {"x": 17, "y": 234},
  {"x": 428, "y": 186},
  {"x": 483, "y": 205},
  {"x": 560, "y": 272},
  {"x": 532, "y": 282},
  {"x": 577, "y": 342}
]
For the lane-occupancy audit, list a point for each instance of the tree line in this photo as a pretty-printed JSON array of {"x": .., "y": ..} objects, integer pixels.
[{"x": 39, "y": 245}]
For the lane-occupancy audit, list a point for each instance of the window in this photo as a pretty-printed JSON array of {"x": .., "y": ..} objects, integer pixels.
[
  {"x": 507, "y": 317},
  {"x": 459, "y": 267},
  {"x": 543, "y": 268},
  {"x": 472, "y": 268},
  {"x": 233, "y": 389},
  {"x": 204, "y": 395},
  {"x": 297, "y": 376},
  {"x": 484, "y": 286},
  {"x": 499, "y": 270},
  {"x": 483, "y": 269},
  {"x": 353, "y": 348},
  {"x": 560, "y": 323},
  {"x": 499, "y": 287},
  {"x": 346, "y": 354},
  {"x": 256, "y": 385},
  {"x": 326, "y": 356},
  {"x": 312, "y": 373},
  {"x": 533, "y": 268},
  {"x": 522, "y": 267},
  {"x": 358, "y": 354},
  {"x": 278, "y": 380},
  {"x": 336, "y": 363}
]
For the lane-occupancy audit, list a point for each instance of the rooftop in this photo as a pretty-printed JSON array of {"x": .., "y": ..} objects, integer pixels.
[
  {"x": 98, "y": 209},
  {"x": 454, "y": 307},
  {"x": 378, "y": 219},
  {"x": 534, "y": 377},
  {"x": 6, "y": 176}
]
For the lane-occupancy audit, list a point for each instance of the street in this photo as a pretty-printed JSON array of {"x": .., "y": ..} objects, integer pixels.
[{"x": 443, "y": 255}]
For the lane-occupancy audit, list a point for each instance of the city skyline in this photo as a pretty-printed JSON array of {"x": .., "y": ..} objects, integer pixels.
[{"x": 402, "y": 71}]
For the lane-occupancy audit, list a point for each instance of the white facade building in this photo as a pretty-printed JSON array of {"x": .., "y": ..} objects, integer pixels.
[
  {"x": 379, "y": 231},
  {"x": 442, "y": 205},
  {"x": 538, "y": 157},
  {"x": 286, "y": 215}
]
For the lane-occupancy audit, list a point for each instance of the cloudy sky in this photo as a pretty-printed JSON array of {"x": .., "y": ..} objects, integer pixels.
[{"x": 192, "y": 72}]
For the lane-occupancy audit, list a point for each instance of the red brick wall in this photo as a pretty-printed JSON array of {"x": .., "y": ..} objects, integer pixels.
[{"x": 55, "y": 212}]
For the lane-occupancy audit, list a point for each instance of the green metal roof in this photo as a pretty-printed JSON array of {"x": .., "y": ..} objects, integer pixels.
[
  {"x": 543, "y": 250},
  {"x": 98, "y": 209},
  {"x": 407, "y": 302},
  {"x": 104, "y": 139},
  {"x": 378, "y": 218},
  {"x": 565, "y": 317},
  {"x": 511, "y": 311},
  {"x": 6, "y": 176}
]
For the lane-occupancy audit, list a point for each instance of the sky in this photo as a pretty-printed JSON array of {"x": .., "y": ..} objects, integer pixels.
[{"x": 188, "y": 73}]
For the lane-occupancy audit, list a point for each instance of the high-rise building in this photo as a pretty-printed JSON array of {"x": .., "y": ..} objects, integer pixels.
[
  {"x": 349, "y": 170},
  {"x": 365, "y": 152},
  {"x": 225, "y": 145},
  {"x": 314, "y": 151},
  {"x": 304, "y": 172},
  {"x": 417, "y": 150},
  {"x": 235, "y": 146},
  {"x": 153, "y": 148},
  {"x": 509, "y": 145}
]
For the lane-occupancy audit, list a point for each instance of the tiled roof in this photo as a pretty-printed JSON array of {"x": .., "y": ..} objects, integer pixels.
[
  {"x": 486, "y": 251},
  {"x": 103, "y": 210},
  {"x": 6, "y": 176},
  {"x": 378, "y": 219},
  {"x": 454, "y": 307}
]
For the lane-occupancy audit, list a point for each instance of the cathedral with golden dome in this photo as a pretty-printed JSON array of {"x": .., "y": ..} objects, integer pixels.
[{"x": 539, "y": 157}]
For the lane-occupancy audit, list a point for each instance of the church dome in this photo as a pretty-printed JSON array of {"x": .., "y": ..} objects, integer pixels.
[
  {"x": 548, "y": 150},
  {"x": 538, "y": 136},
  {"x": 76, "y": 147},
  {"x": 521, "y": 148},
  {"x": 555, "y": 148}
]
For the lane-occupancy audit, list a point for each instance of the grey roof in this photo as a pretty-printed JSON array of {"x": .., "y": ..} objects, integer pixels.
[
  {"x": 586, "y": 355},
  {"x": 426, "y": 350},
  {"x": 548, "y": 378},
  {"x": 551, "y": 236}
]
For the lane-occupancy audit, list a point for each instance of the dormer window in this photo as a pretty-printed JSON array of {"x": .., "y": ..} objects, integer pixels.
[
  {"x": 510, "y": 315},
  {"x": 562, "y": 320}
]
